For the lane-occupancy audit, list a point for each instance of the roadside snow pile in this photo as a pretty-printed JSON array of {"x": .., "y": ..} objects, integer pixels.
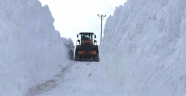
[
  {"x": 30, "y": 47},
  {"x": 144, "y": 49}
]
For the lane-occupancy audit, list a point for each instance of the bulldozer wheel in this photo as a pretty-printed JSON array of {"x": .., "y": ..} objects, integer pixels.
[
  {"x": 96, "y": 58},
  {"x": 77, "y": 58}
]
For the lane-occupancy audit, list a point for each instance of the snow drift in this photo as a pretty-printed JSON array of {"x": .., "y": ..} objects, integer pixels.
[
  {"x": 29, "y": 46},
  {"x": 143, "y": 49}
]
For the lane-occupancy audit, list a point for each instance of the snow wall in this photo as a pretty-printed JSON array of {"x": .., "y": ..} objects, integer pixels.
[
  {"x": 30, "y": 47},
  {"x": 144, "y": 48}
]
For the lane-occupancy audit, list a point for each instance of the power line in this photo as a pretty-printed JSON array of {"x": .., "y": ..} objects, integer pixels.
[{"x": 101, "y": 17}]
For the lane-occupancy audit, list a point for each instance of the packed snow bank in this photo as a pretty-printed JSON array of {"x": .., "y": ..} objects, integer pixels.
[
  {"x": 144, "y": 48},
  {"x": 29, "y": 46}
]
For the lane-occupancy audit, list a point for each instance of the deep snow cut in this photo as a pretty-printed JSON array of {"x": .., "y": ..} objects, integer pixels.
[
  {"x": 143, "y": 49},
  {"x": 30, "y": 47}
]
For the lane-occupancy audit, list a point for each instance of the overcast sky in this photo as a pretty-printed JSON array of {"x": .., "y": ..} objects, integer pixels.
[{"x": 74, "y": 16}]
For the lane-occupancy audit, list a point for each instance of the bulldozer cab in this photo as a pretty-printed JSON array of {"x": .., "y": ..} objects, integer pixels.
[{"x": 86, "y": 37}]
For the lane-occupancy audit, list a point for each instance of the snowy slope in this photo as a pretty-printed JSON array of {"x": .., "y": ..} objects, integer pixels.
[
  {"x": 143, "y": 49},
  {"x": 29, "y": 46}
]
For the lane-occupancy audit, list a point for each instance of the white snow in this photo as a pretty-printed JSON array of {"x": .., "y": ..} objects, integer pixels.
[
  {"x": 29, "y": 46},
  {"x": 81, "y": 79},
  {"x": 144, "y": 50}
]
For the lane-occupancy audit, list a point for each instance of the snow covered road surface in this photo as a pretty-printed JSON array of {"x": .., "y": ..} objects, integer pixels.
[
  {"x": 49, "y": 84},
  {"x": 77, "y": 79}
]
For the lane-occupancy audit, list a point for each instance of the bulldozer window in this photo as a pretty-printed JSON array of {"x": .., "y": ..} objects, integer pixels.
[{"x": 86, "y": 37}]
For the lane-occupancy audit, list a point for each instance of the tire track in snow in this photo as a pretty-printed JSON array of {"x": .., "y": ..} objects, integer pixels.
[{"x": 49, "y": 84}]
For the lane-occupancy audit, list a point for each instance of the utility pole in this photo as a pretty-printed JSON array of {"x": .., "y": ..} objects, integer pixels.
[{"x": 101, "y": 17}]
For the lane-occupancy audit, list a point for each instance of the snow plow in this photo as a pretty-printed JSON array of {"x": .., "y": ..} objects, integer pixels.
[{"x": 87, "y": 47}]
